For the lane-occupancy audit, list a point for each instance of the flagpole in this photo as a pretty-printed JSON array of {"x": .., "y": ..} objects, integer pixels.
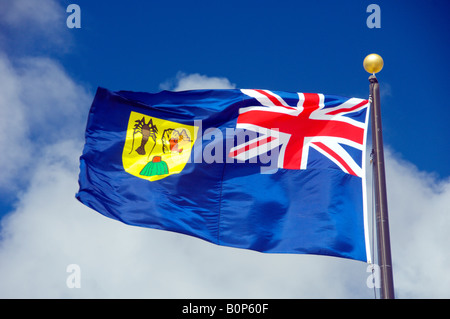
[{"x": 373, "y": 64}]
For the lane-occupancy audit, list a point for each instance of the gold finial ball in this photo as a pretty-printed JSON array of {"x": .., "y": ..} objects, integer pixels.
[{"x": 373, "y": 63}]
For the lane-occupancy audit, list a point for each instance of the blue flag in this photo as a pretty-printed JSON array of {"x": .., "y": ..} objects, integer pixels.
[{"x": 270, "y": 171}]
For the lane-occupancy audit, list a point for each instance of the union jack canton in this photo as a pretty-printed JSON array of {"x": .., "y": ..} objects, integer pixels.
[{"x": 310, "y": 130}]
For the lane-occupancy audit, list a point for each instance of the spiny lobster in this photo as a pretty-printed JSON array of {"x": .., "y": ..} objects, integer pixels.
[{"x": 147, "y": 130}]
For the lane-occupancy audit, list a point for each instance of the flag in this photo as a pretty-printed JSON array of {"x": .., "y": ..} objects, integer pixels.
[{"x": 271, "y": 171}]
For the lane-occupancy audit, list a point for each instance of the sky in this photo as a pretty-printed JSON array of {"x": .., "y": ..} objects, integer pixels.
[{"x": 49, "y": 74}]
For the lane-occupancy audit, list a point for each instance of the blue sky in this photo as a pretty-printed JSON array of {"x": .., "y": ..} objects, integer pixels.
[
  {"x": 309, "y": 46},
  {"x": 50, "y": 73}
]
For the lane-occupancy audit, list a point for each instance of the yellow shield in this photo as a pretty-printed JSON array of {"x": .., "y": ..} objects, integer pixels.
[{"x": 155, "y": 148}]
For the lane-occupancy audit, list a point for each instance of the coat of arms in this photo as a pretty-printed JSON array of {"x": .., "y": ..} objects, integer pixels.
[{"x": 156, "y": 148}]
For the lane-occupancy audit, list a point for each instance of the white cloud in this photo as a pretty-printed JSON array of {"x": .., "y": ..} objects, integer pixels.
[
  {"x": 42, "y": 17},
  {"x": 56, "y": 104},
  {"x": 13, "y": 126},
  {"x": 24, "y": 13},
  {"x": 39, "y": 105},
  {"x": 420, "y": 217},
  {"x": 183, "y": 81},
  {"x": 31, "y": 24}
]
